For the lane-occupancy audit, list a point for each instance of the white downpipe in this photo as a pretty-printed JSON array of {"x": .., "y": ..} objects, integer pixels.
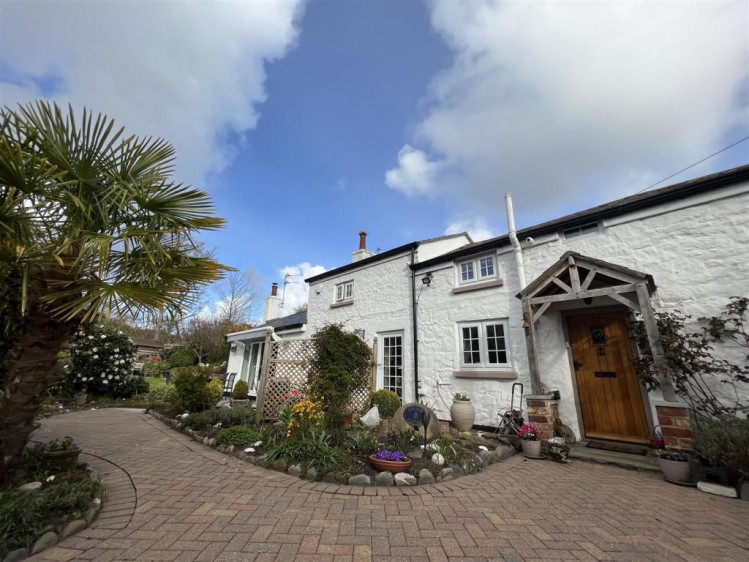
[{"x": 514, "y": 240}]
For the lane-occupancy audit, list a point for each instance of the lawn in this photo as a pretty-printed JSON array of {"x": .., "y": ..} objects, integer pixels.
[{"x": 155, "y": 383}]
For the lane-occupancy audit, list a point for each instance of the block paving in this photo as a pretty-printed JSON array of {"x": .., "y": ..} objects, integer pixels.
[{"x": 170, "y": 498}]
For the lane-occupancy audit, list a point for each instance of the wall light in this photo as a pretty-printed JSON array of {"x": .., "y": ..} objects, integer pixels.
[{"x": 427, "y": 279}]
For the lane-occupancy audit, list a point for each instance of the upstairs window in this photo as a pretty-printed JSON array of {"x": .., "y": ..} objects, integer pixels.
[
  {"x": 484, "y": 344},
  {"x": 478, "y": 269},
  {"x": 582, "y": 230},
  {"x": 344, "y": 291}
]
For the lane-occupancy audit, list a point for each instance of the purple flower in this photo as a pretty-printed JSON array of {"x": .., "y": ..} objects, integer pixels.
[{"x": 386, "y": 455}]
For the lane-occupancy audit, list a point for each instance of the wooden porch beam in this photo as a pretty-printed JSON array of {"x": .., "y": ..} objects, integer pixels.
[
  {"x": 588, "y": 279},
  {"x": 574, "y": 275},
  {"x": 531, "y": 344},
  {"x": 654, "y": 339},
  {"x": 559, "y": 283},
  {"x": 606, "y": 291},
  {"x": 540, "y": 311},
  {"x": 625, "y": 301}
]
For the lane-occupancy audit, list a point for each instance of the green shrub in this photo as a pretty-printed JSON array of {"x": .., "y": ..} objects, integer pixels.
[
  {"x": 241, "y": 390},
  {"x": 155, "y": 368},
  {"x": 191, "y": 384},
  {"x": 179, "y": 357},
  {"x": 25, "y": 515},
  {"x": 133, "y": 385},
  {"x": 162, "y": 396},
  {"x": 404, "y": 440},
  {"x": 102, "y": 361},
  {"x": 227, "y": 417},
  {"x": 362, "y": 443},
  {"x": 387, "y": 402},
  {"x": 312, "y": 450},
  {"x": 239, "y": 436},
  {"x": 340, "y": 367},
  {"x": 215, "y": 390},
  {"x": 724, "y": 443}
]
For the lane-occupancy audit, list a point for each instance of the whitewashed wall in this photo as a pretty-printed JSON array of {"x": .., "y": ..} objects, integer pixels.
[
  {"x": 382, "y": 303},
  {"x": 697, "y": 250}
]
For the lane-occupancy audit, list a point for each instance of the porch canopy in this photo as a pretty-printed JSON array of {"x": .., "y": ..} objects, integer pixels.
[{"x": 577, "y": 277}]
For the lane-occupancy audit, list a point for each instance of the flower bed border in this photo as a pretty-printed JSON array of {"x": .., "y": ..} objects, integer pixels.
[
  {"x": 487, "y": 457},
  {"x": 70, "y": 529}
]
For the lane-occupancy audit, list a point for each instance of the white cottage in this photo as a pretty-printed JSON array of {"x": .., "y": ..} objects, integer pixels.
[
  {"x": 247, "y": 348},
  {"x": 548, "y": 307}
]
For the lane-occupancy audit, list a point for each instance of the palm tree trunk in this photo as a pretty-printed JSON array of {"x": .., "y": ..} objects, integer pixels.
[{"x": 30, "y": 365}]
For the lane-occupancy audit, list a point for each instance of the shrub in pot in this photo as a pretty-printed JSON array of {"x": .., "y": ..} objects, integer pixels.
[
  {"x": 723, "y": 444},
  {"x": 674, "y": 465},
  {"x": 61, "y": 454},
  {"x": 241, "y": 390},
  {"x": 462, "y": 412},
  {"x": 387, "y": 402},
  {"x": 531, "y": 440}
]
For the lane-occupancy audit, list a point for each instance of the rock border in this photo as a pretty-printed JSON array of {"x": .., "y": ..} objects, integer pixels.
[
  {"x": 382, "y": 479},
  {"x": 51, "y": 538}
]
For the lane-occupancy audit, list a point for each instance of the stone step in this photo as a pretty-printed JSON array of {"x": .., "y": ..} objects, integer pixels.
[{"x": 624, "y": 460}]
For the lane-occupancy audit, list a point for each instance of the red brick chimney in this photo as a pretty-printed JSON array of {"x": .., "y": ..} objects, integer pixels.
[
  {"x": 274, "y": 290},
  {"x": 363, "y": 240},
  {"x": 362, "y": 252}
]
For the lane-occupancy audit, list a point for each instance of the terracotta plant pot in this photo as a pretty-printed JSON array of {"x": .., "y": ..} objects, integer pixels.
[
  {"x": 393, "y": 467},
  {"x": 463, "y": 415},
  {"x": 62, "y": 460},
  {"x": 531, "y": 448},
  {"x": 675, "y": 471}
]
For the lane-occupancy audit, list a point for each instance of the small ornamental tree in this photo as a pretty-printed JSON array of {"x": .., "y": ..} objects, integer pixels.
[
  {"x": 340, "y": 367},
  {"x": 101, "y": 361},
  {"x": 692, "y": 366}
]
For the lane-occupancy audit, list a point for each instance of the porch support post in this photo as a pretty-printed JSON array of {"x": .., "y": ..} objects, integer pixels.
[
  {"x": 531, "y": 344},
  {"x": 654, "y": 338},
  {"x": 264, "y": 372}
]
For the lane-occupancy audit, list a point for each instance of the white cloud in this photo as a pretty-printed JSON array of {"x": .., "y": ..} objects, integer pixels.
[
  {"x": 414, "y": 174},
  {"x": 476, "y": 227},
  {"x": 562, "y": 101},
  {"x": 191, "y": 72},
  {"x": 296, "y": 291}
]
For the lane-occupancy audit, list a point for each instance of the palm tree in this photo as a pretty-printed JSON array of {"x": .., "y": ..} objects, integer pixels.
[{"x": 91, "y": 225}]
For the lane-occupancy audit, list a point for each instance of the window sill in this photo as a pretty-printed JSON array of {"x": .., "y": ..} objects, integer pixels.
[
  {"x": 478, "y": 286},
  {"x": 499, "y": 375},
  {"x": 342, "y": 303}
]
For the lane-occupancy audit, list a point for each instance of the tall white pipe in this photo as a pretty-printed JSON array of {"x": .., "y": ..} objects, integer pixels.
[{"x": 514, "y": 240}]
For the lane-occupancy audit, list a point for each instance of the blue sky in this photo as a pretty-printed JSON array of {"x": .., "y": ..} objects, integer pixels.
[{"x": 308, "y": 122}]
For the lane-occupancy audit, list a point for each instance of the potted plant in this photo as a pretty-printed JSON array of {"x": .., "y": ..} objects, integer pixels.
[
  {"x": 390, "y": 461},
  {"x": 530, "y": 440},
  {"x": 61, "y": 454},
  {"x": 674, "y": 465},
  {"x": 462, "y": 412}
]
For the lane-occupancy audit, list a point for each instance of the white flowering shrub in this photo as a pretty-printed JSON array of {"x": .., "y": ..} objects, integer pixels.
[{"x": 101, "y": 362}]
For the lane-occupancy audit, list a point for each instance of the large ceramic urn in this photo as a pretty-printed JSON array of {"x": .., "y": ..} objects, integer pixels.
[{"x": 463, "y": 415}]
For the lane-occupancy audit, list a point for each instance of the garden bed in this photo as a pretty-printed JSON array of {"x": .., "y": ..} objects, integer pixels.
[
  {"x": 315, "y": 458},
  {"x": 46, "y": 506}
]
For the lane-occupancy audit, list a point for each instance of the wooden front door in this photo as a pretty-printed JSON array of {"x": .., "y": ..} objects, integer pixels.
[{"x": 610, "y": 398}]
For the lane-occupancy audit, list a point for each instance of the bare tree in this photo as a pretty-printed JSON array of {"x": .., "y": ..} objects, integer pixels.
[{"x": 240, "y": 296}]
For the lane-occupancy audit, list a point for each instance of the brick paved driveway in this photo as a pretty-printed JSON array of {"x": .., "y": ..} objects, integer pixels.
[{"x": 170, "y": 498}]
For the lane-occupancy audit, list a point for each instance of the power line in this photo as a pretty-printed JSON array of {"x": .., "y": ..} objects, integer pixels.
[{"x": 693, "y": 165}]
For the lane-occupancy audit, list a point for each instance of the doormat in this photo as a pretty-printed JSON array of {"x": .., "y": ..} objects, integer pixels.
[{"x": 618, "y": 447}]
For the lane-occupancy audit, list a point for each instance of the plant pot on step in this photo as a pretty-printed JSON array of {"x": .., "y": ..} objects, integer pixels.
[
  {"x": 531, "y": 448},
  {"x": 675, "y": 471},
  {"x": 462, "y": 413}
]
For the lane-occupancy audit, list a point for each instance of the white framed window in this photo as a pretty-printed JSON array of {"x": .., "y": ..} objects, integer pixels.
[
  {"x": 582, "y": 230},
  {"x": 344, "y": 291},
  {"x": 482, "y": 268},
  {"x": 484, "y": 344},
  {"x": 391, "y": 362}
]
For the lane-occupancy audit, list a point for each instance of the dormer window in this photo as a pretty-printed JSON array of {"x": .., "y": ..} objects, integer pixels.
[
  {"x": 344, "y": 291},
  {"x": 483, "y": 268}
]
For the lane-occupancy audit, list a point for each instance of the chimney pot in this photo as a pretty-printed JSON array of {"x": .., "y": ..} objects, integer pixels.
[
  {"x": 363, "y": 240},
  {"x": 274, "y": 290}
]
